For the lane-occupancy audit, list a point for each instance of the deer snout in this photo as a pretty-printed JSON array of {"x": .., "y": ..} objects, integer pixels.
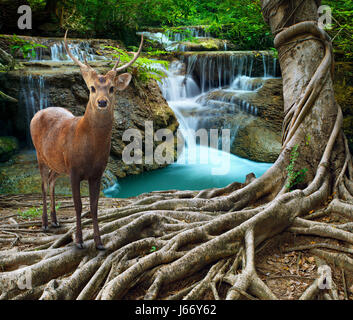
[{"x": 102, "y": 103}]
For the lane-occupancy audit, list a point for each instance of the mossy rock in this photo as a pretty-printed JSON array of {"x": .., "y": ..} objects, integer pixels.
[
  {"x": 8, "y": 147},
  {"x": 207, "y": 44}
]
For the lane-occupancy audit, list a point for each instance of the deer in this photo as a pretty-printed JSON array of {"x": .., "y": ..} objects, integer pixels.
[{"x": 79, "y": 146}]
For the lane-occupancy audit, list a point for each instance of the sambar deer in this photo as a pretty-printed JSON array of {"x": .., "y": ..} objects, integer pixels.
[{"x": 79, "y": 146}]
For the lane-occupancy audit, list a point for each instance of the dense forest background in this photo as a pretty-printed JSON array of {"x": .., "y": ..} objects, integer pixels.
[{"x": 239, "y": 21}]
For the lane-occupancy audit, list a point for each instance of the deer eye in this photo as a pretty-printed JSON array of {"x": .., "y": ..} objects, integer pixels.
[
  {"x": 93, "y": 89},
  {"x": 111, "y": 90}
]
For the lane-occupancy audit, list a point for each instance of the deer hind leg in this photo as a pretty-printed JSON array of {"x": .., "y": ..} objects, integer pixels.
[
  {"x": 76, "y": 195},
  {"x": 94, "y": 188},
  {"x": 44, "y": 173},
  {"x": 52, "y": 179}
]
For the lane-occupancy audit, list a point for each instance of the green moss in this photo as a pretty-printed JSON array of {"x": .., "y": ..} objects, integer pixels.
[
  {"x": 344, "y": 96},
  {"x": 208, "y": 44},
  {"x": 8, "y": 147},
  {"x": 21, "y": 175}
]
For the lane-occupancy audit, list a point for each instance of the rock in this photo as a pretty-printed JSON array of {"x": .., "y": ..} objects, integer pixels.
[
  {"x": 8, "y": 147},
  {"x": 206, "y": 44},
  {"x": 132, "y": 112},
  {"x": 268, "y": 99},
  {"x": 261, "y": 140},
  {"x": 256, "y": 142},
  {"x": 256, "y": 138},
  {"x": 6, "y": 60}
]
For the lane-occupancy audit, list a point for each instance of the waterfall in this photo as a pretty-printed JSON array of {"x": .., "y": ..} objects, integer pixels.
[
  {"x": 216, "y": 70},
  {"x": 58, "y": 52},
  {"x": 189, "y": 101},
  {"x": 170, "y": 39},
  {"x": 211, "y": 92},
  {"x": 34, "y": 97},
  {"x": 188, "y": 32}
]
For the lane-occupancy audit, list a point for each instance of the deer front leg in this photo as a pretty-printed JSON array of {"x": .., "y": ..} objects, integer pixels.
[
  {"x": 94, "y": 189},
  {"x": 76, "y": 195}
]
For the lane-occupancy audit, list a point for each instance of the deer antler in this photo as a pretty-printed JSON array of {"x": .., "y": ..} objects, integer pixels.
[
  {"x": 116, "y": 64},
  {"x": 78, "y": 62},
  {"x": 136, "y": 55}
]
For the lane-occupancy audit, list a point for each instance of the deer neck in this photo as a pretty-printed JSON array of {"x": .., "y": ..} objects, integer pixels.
[{"x": 98, "y": 123}]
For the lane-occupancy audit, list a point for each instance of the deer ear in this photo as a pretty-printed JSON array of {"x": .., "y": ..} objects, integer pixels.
[{"x": 122, "y": 81}]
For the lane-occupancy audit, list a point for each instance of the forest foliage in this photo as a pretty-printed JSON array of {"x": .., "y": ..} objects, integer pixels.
[{"x": 239, "y": 21}]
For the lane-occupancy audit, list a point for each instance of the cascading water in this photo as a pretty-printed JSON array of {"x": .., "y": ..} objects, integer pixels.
[
  {"x": 217, "y": 70},
  {"x": 34, "y": 97},
  {"x": 170, "y": 39},
  {"x": 58, "y": 52}
]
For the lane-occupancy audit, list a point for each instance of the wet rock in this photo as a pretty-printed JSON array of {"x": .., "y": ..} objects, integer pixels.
[
  {"x": 257, "y": 142},
  {"x": 268, "y": 100},
  {"x": 254, "y": 117},
  {"x": 6, "y": 60},
  {"x": 206, "y": 44}
]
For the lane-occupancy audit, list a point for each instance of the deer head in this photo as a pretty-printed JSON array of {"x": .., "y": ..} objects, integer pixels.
[{"x": 103, "y": 88}]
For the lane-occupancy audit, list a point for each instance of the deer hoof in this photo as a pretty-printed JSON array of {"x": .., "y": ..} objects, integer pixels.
[
  {"x": 80, "y": 246},
  {"x": 100, "y": 247},
  {"x": 45, "y": 229},
  {"x": 55, "y": 225}
]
